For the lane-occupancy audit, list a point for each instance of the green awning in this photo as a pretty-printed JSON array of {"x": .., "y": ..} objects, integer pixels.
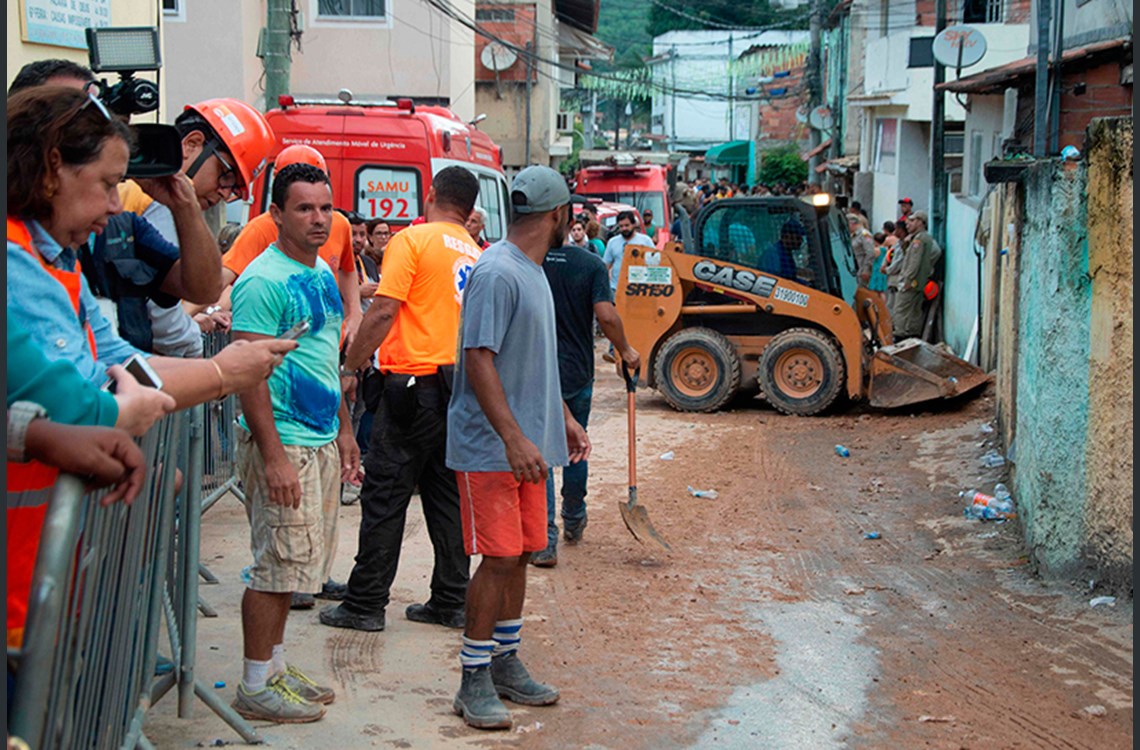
[{"x": 731, "y": 154}]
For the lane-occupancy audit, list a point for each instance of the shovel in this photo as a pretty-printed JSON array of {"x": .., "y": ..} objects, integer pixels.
[{"x": 635, "y": 516}]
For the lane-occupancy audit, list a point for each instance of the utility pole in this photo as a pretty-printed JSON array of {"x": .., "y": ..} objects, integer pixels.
[
  {"x": 815, "y": 84},
  {"x": 731, "y": 94},
  {"x": 277, "y": 60},
  {"x": 938, "y": 197},
  {"x": 588, "y": 122},
  {"x": 1041, "y": 82},
  {"x": 529, "y": 65}
]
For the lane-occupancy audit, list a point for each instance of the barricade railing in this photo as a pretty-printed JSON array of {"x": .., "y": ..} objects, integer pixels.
[
  {"x": 104, "y": 579},
  {"x": 219, "y": 475},
  {"x": 89, "y": 650}
]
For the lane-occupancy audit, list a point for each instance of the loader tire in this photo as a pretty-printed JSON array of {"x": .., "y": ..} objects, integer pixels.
[
  {"x": 697, "y": 369},
  {"x": 801, "y": 371}
]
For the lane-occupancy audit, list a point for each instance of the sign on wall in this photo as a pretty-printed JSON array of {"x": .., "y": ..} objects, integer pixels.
[{"x": 60, "y": 23}]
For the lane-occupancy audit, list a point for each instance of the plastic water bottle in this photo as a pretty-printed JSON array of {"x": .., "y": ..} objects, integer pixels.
[
  {"x": 977, "y": 504},
  {"x": 1002, "y": 504},
  {"x": 842, "y": 451}
]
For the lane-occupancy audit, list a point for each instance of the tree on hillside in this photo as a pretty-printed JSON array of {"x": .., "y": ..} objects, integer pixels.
[{"x": 675, "y": 15}]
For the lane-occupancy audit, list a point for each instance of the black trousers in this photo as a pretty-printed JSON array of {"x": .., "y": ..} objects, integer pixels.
[{"x": 407, "y": 449}]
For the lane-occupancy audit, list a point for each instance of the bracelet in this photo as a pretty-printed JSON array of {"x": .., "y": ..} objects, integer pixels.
[{"x": 221, "y": 379}]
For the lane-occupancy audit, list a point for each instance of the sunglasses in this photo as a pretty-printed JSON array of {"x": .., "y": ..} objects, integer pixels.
[{"x": 91, "y": 101}]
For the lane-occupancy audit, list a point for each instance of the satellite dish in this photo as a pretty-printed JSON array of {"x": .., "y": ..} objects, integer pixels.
[
  {"x": 497, "y": 57},
  {"x": 820, "y": 118},
  {"x": 959, "y": 46}
]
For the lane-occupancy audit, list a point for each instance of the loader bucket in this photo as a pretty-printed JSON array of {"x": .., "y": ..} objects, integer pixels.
[{"x": 913, "y": 371}]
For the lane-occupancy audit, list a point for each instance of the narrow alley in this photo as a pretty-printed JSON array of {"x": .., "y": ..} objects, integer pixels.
[{"x": 774, "y": 622}]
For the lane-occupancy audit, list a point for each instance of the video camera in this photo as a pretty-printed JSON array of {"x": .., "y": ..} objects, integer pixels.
[{"x": 126, "y": 51}]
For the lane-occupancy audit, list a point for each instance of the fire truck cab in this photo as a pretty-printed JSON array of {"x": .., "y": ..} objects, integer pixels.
[{"x": 382, "y": 156}]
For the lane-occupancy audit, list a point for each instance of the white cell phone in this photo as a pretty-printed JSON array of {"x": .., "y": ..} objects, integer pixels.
[
  {"x": 296, "y": 332},
  {"x": 141, "y": 371}
]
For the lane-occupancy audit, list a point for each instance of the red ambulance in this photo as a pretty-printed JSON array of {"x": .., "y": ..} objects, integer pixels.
[
  {"x": 382, "y": 155},
  {"x": 631, "y": 180}
]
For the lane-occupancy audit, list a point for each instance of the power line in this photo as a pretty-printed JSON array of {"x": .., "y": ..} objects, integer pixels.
[{"x": 718, "y": 24}]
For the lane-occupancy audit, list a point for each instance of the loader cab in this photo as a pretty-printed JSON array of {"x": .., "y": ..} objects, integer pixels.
[{"x": 785, "y": 237}]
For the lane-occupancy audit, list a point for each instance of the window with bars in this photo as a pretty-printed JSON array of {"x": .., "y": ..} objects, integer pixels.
[
  {"x": 338, "y": 9},
  {"x": 982, "y": 11},
  {"x": 495, "y": 15}
]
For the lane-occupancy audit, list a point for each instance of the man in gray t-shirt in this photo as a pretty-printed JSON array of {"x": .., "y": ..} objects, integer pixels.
[{"x": 506, "y": 425}]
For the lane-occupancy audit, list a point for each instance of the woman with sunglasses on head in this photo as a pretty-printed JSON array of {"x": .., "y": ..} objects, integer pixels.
[{"x": 66, "y": 158}]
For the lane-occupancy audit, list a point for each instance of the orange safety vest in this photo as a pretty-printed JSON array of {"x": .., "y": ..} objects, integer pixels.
[{"x": 26, "y": 524}]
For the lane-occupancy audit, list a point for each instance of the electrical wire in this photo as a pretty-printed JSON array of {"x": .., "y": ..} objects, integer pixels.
[{"x": 634, "y": 77}]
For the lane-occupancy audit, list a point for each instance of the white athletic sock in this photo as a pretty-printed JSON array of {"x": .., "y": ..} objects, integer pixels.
[
  {"x": 476, "y": 654},
  {"x": 507, "y": 635},
  {"x": 255, "y": 674},
  {"x": 278, "y": 658}
]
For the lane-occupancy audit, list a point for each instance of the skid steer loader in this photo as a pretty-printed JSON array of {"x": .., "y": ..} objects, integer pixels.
[{"x": 761, "y": 297}]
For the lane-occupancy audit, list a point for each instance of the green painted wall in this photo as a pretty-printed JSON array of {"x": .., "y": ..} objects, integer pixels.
[{"x": 1055, "y": 302}]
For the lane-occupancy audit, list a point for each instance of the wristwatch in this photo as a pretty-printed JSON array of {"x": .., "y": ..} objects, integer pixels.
[{"x": 20, "y": 415}]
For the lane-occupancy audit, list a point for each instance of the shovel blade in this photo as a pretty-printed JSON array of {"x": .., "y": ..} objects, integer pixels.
[{"x": 636, "y": 519}]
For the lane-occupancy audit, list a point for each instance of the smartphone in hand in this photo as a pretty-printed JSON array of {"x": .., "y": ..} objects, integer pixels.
[
  {"x": 141, "y": 371},
  {"x": 296, "y": 332}
]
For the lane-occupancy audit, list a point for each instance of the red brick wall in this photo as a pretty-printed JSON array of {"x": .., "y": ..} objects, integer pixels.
[
  {"x": 1104, "y": 97},
  {"x": 1017, "y": 11},
  {"x": 778, "y": 117}
]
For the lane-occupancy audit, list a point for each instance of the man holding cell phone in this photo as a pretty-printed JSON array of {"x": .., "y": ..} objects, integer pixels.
[{"x": 297, "y": 446}]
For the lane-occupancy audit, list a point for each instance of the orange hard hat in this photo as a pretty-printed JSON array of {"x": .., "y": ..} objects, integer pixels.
[
  {"x": 243, "y": 131},
  {"x": 300, "y": 154}
]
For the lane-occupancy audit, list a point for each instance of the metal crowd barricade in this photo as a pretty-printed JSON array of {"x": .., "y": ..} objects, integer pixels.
[
  {"x": 94, "y": 612},
  {"x": 220, "y": 469},
  {"x": 180, "y": 592}
]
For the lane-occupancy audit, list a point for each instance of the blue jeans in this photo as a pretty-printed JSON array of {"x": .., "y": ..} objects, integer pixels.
[{"x": 573, "y": 477}]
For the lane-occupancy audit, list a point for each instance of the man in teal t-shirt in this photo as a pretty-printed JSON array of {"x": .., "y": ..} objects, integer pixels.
[{"x": 298, "y": 445}]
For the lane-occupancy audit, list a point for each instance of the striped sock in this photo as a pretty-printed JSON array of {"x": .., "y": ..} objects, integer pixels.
[
  {"x": 475, "y": 653},
  {"x": 507, "y": 636}
]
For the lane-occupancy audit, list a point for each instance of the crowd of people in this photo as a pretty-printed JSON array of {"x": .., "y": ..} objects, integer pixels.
[
  {"x": 400, "y": 359},
  {"x": 405, "y": 359},
  {"x": 898, "y": 264}
]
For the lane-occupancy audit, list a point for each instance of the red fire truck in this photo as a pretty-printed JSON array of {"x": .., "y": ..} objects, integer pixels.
[{"x": 382, "y": 155}]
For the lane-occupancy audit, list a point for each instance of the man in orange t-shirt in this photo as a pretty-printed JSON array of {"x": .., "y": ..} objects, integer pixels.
[{"x": 414, "y": 319}]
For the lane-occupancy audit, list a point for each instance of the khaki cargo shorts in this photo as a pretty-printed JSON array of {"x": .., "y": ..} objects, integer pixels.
[{"x": 289, "y": 544}]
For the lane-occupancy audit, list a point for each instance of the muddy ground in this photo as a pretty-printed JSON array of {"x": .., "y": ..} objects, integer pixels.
[{"x": 773, "y": 623}]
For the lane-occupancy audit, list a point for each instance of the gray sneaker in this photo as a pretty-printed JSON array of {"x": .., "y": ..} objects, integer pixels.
[
  {"x": 276, "y": 702},
  {"x": 304, "y": 686},
  {"x": 513, "y": 681},
  {"x": 477, "y": 702}
]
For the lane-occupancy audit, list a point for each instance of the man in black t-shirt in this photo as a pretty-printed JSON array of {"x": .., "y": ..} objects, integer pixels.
[{"x": 580, "y": 285}]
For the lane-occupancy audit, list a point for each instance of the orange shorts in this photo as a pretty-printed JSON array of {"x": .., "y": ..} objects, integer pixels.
[{"x": 502, "y": 517}]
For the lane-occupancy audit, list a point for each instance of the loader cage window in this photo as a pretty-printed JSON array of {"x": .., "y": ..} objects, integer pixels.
[{"x": 773, "y": 239}]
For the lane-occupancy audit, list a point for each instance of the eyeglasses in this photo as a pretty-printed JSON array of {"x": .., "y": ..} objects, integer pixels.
[{"x": 228, "y": 179}]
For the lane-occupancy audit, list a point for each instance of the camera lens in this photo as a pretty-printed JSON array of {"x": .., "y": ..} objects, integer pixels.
[{"x": 144, "y": 95}]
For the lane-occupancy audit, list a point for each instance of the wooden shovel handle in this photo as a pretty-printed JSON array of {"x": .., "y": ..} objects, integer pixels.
[{"x": 631, "y": 398}]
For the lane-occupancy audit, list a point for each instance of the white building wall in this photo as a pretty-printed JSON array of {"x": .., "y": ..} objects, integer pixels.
[
  {"x": 701, "y": 63},
  {"x": 212, "y": 52}
]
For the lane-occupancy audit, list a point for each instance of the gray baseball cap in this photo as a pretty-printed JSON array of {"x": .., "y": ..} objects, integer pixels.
[{"x": 538, "y": 189}]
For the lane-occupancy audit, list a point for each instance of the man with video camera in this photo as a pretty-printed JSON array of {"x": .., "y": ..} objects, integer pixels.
[{"x": 160, "y": 249}]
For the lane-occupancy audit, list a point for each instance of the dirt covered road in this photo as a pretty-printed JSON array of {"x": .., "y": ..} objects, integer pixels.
[{"x": 773, "y": 623}]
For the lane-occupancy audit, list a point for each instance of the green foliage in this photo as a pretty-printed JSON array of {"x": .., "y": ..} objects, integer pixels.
[
  {"x": 782, "y": 166},
  {"x": 624, "y": 25},
  {"x": 720, "y": 13},
  {"x": 569, "y": 165}
]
